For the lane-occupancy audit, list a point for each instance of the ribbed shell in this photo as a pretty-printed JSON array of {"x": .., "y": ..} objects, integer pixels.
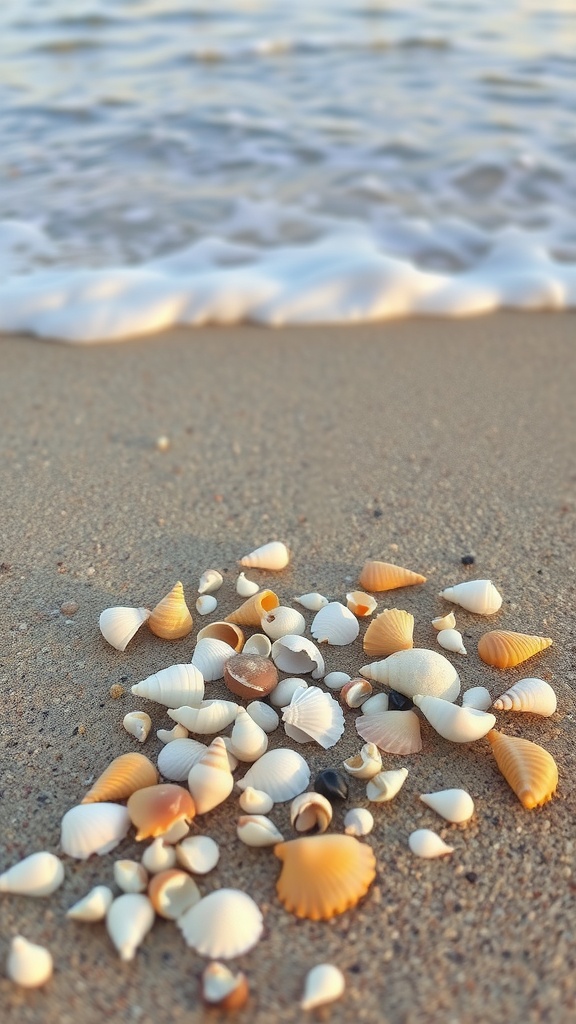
[
  {"x": 156, "y": 810},
  {"x": 211, "y": 717},
  {"x": 395, "y": 732},
  {"x": 171, "y": 618},
  {"x": 282, "y": 773},
  {"x": 254, "y": 608},
  {"x": 93, "y": 828},
  {"x": 173, "y": 686},
  {"x": 177, "y": 758},
  {"x": 210, "y": 656},
  {"x": 477, "y": 697},
  {"x": 454, "y": 723},
  {"x": 297, "y": 654},
  {"x": 455, "y": 805},
  {"x": 533, "y": 695},
  {"x": 123, "y": 776},
  {"x": 282, "y": 621},
  {"x": 451, "y": 640},
  {"x": 416, "y": 671},
  {"x": 248, "y": 740},
  {"x": 228, "y": 632},
  {"x": 528, "y": 769},
  {"x": 335, "y": 625},
  {"x": 263, "y": 715},
  {"x": 128, "y": 921},
  {"x": 315, "y": 713},
  {"x": 378, "y": 576},
  {"x": 210, "y": 780},
  {"x": 224, "y": 924},
  {"x": 390, "y": 631},
  {"x": 40, "y": 874},
  {"x": 323, "y": 876},
  {"x": 505, "y": 649},
  {"x": 478, "y": 596},
  {"x": 273, "y": 556},
  {"x": 118, "y": 625},
  {"x": 360, "y": 604}
]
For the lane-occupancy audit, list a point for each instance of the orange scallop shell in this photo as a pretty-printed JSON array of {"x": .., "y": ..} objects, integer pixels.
[
  {"x": 171, "y": 618},
  {"x": 528, "y": 769},
  {"x": 253, "y": 610},
  {"x": 156, "y": 809},
  {"x": 228, "y": 632},
  {"x": 389, "y": 632},
  {"x": 124, "y": 775},
  {"x": 504, "y": 649},
  {"x": 385, "y": 576},
  {"x": 323, "y": 875}
]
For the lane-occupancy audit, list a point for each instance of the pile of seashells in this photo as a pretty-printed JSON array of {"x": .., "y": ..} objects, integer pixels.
[{"x": 322, "y": 874}]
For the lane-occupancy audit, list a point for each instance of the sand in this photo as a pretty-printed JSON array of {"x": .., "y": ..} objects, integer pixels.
[{"x": 415, "y": 442}]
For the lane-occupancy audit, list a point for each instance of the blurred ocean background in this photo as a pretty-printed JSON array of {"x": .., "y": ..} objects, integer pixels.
[{"x": 171, "y": 161}]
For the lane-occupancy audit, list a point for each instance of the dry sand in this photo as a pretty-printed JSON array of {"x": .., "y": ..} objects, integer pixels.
[{"x": 415, "y": 442}]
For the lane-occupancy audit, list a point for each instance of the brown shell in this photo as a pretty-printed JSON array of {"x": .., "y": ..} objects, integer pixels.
[
  {"x": 395, "y": 732},
  {"x": 528, "y": 769},
  {"x": 253, "y": 610},
  {"x": 323, "y": 875},
  {"x": 504, "y": 649},
  {"x": 124, "y": 775},
  {"x": 385, "y": 576},
  {"x": 171, "y": 618},
  {"x": 250, "y": 676},
  {"x": 389, "y": 632},
  {"x": 156, "y": 809},
  {"x": 228, "y": 632}
]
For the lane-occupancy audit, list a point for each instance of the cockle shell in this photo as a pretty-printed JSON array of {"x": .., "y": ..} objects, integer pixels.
[
  {"x": 263, "y": 715},
  {"x": 528, "y": 768},
  {"x": 383, "y": 787},
  {"x": 376, "y": 704},
  {"x": 206, "y": 604},
  {"x": 451, "y": 640},
  {"x": 336, "y": 680},
  {"x": 171, "y": 618},
  {"x": 173, "y": 686},
  {"x": 396, "y": 732},
  {"x": 310, "y": 812},
  {"x": 154, "y": 811},
  {"x": 210, "y": 581},
  {"x": 478, "y": 596},
  {"x": 355, "y": 693},
  {"x": 124, "y": 776},
  {"x": 258, "y": 643},
  {"x": 297, "y": 654},
  {"x": 128, "y": 922},
  {"x": 255, "y": 801},
  {"x": 425, "y": 843},
  {"x": 118, "y": 625},
  {"x": 169, "y": 735},
  {"x": 246, "y": 587},
  {"x": 361, "y": 604},
  {"x": 313, "y": 601},
  {"x": 198, "y": 854},
  {"x": 210, "y": 780},
  {"x": 257, "y": 830},
  {"x": 212, "y": 716},
  {"x": 505, "y": 649},
  {"x": 390, "y": 631},
  {"x": 416, "y": 671},
  {"x": 92, "y": 907},
  {"x": 273, "y": 556},
  {"x": 282, "y": 773},
  {"x": 228, "y": 632},
  {"x": 378, "y": 576},
  {"x": 323, "y": 876},
  {"x": 224, "y": 924},
  {"x": 248, "y": 740},
  {"x": 176, "y": 759},
  {"x": 282, "y": 694},
  {"x": 477, "y": 697},
  {"x": 137, "y": 724},
  {"x": 222, "y": 988},
  {"x": 324, "y": 984},
  {"x": 253, "y": 610},
  {"x": 93, "y": 828},
  {"x": 358, "y": 821},
  {"x": 130, "y": 876},
  {"x": 40, "y": 874},
  {"x": 444, "y": 622},
  {"x": 28, "y": 965},
  {"x": 210, "y": 656},
  {"x": 172, "y": 893},
  {"x": 314, "y": 712},
  {"x": 455, "y": 805},
  {"x": 335, "y": 624},
  {"x": 282, "y": 621},
  {"x": 533, "y": 695},
  {"x": 454, "y": 723},
  {"x": 159, "y": 856},
  {"x": 366, "y": 764}
]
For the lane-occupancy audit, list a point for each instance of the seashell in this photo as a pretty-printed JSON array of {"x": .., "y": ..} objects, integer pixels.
[
  {"x": 273, "y": 556},
  {"x": 533, "y": 695},
  {"x": 155, "y": 810},
  {"x": 396, "y": 732},
  {"x": 283, "y": 621},
  {"x": 445, "y": 622},
  {"x": 172, "y": 687},
  {"x": 223, "y": 989},
  {"x": 228, "y": 632},
  {"x": 226, "y": 923},
  {"x": 324, "y": 984},
  {"x": 331, "y": 784},
  {"x": 425, "y": 843},
  {"x": 118, "y": 625},
  {"x": 93, "y": 828},
  {"x": 263, "y": 715},
  {"x": 355, "y": 693},
  {"x": 258, "y": 643},
  {"x": 255, "y": 801},
  {"x": 361, "y": 604},
  {"x": 323, "y": 875},
  {"x": 478, "y": 596},
  {"x": 416, "y": 671},
  {"x": 310, "y": 812},
  {"x": 505, "y": 649},
  {"x": 212, "y": 716},
  {"x": 459, "y": 725},
  {"x": 28, "y": 965},
  {"x": 315, "y": 713},
  {"x": 130, "y": 876},
  {"x": 374, "y": 705},
  {"x": 210, "y": 581},
  {"x": 391, "y": 631},
  {"x": 245, "y": 587},
  {"x": 210, "y": 656},
  {"x": 137, "y": 724},
  {"x": 176, "y": 759},
  {"x": 232, "y": 759},
  {"x": 313, "y": 602},
  {"x": 451, "y": 640},
  {"x": 380, "y": 576},
  {"x": 128, "y": 922},
  {"x": 171, "y": 619},
  {"x": 176, "y": 832},
  {"x": 206, "y": 604},
  {"x": 198, "y": 854},
  {"x": 528, "y": 768},
  {"x": 158, "y": 856},
  {"x": 257, "y": 830},
  {"x": 477, "y": 697},
  {"x": 249, "y": 741},
  {"x": 253, "y": 610},
  {"x": 250, "y": 676},
  {"x": 282, "y": 694},
  {"x": 282, "y": 773},
  {"x": 455, "y": 805},
  {"x": 172, "y": 893},
  {"x": 123, "y": 776},
  {"x": 169, "y": 735},
  {"x": 40, "y": 874},
  {"x": 358, "y": 822},
  {"x": 383, "y": 787},
  {"x": 366, "y": 764},
  {"x": 335, "y": 624},
  {"x": 336, "y": 680},
  {"x": 210, "y": 779},
  {"x": 298, "y": 654},
  {"x": 92, "y": 907}
]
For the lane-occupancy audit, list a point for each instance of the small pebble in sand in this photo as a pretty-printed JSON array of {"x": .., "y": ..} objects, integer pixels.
[
  {"x": 116, "y": 691},
  {"x": 80, "y": 730},
  {"x": 162, "y": 443},
  {"x": 69, "y": 608},
  {"x": 468, "y": 560}
]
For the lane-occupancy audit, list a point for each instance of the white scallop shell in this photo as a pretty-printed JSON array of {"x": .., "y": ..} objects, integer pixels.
[
  {"x": 336, "y": 680},
  {"x": 224, "y": 924},
  {"x": 248, "y": 740},
  {"x": 366, "y": 764},
  {"x": 384, "y": 786},
  {"x": 477, "y": 697},
  {"x": 198, "y": 854},
  {"x": 130, "y": 876},
  {"x": 396, "y": 732},
  {"x": 479, "y": 596},
  {"x": 313, "y": 601},
  {"x": 258, "y": 643},
  {"x": 28, "y": 965},
  {"x": 324, "y": 984},
  {"x": 93, "y": 828},
  {"x": 282, "y": 693},
  {"x": 137, "y": 724},
  {"x": 159, "y": 856},
  {"x": 376, "y": 704},
  {"x": 40, "y": 874},
  {"x": 211, "y": 717},
  {"x": 335, "y": 624},
  {"x": 128, "y": 921},
  {"x": 283, "y": 621},
  {"x": 93, "y": 906},
  {"x": 425, "y": 843},
  {"x": 210, "y": 656},
  {"x": 454, "y": 723},
  {"x": 455, "y": 805},
  {"x": 416, "y": 671},
  {"x": 447, "y": 621},
  {"x": 169, "y": 735},
  {"x": 533, "y": 695},
  {"x": 298, "y": 654},
  {"x": 210, "y": 780},
  {"x": 263, "y": 715},
  {"x": 255, "y": 801},
  {"x": 176, "y": 759},
  {"x": 173, "y": 686},
  {"x": 315, "y": 713},
  {"x": 210, "y": 581},
  {"x": 257, "y": 830},
  {"x": 270, "y": 556},
  {"x": 118, "y": 625},
  {"x": 282, "y": 773},
  {"x": 245, "y": 587},
  {"x": 310, "y": 812},
  {"x": 206, "y": 604},
  {"x": 361, "y": 604},
  {"x": 451, "y": 640},
  {"x": 358, "y": 822}
]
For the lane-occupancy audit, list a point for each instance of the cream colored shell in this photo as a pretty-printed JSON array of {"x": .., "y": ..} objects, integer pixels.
[
  {"x": 324, "y": 984},
  {"x": 383, "y": 787},
  {"x": 273, "y": 556},
  {"x": 137, "y": 724},
  {"x": 283, "y": 621},
  {"x": 93, "y": 828},
  {"x": 455, "y": 805},
  {"x": 118, "y": 625},
  {"x": 426, "y": 843},
  {"x": 225, "y": 924},
  {"x": 282, "y": 773},
  {"x": 128, "y": 921},
  {"x": 28, "y": 965},
  {"x": 93, "y": 906},
  {"x": 478, "y": 596},
  {"x": 416, "y": 671},
  {"x": 454, "y": 723},
  {"x": 366, "y": 764},
  {"x": 173, "y": 686},
  {"x": 335, "y": 625},
  {"x": 246, "y": 587},
  {"x": 257, "y": 830},
  {"x": 39, "y": 874},
  {"x": 533, "y": 695},
  {"x": 297, "y": 654}
]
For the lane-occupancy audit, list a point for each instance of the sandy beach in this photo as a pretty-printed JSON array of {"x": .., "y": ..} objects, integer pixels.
[{"x": 416, "y": 442}]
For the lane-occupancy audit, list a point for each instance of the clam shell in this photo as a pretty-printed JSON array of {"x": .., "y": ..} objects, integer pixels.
[
  {"x": 455, "y": 805},
  {"x": 383, "y": 787},
  {"x": 355, "y": 693},
  {"x": 228, "y": 632},
  {"x": 171, "y": 618},
  {"x": 154, "y": 811},
  {"x": 273, "y": 556},
  {"x": 212, "y": 716},
  {"x": 505, "y": 649},
  {"x": 447, "y": 621},
  {"x": 366, "y": 764},
  {"x": 255, "y": 801},
  {"x": 282, "y": 773},
  {"x": 172, "y": 893},
  {"x": 282, "y": 621},
  {"x": 210, "y": 780},
  {"x": 477, "y": 697},
  {"x": 263, "y": 715},
  {"x": 478, "y": 596},
  {"x": 310, "y": 812},
  {"x": 245, "y": 587},
  {"x": 198, "y": 854},
  {"x": 360, "y": 604},
  {"x": 323, "y": 876},
  {"x": 92, "y": 907},
  {"x": 258, "y": 643},
  {"x": 376, "y": 704},
  {"x": 396, "y": 732},
  {"x": 378, "y": 576},
  {"x": 315, "y": 713},
  {"x": 336, "y": 680},
  {"x": 358, "y": 821},
  {"x": 206, "y": 604},
  {"x": 530, "y": 771},
  {"x": 249, "y": 741},
  {"x": 389, "y": 632},
  {"x": 250, "y": 676},
  {"x": 158, "y": 856},
  {"x": 176, "y": 759},
  {"x": 210, "y": 656},
  {"x": 335, "y": 624},
  {"x": 299, "y": 655},
  {"x": 137, "y": 724},
  {"x": 222, "y": 988},
  {"x": 416, "y": 671},
  {"x": 210, "y": 581},
  {"x": 324, "y": 984},
  {"x": 130, "y": 875},
  {"x": 313, "y": 602},
  {"x": 40, "y": 874},
  {"x": 225, "y": 924},
  {"x": 93, "y": 828},
  {"x": 118, "y": 625},
  {"x": 169, "y": 735},
  {"x": 533, "y": 695},
  {"x": 425, "y": 843},
  {"x": 282, "y": 694},
  {"x": 173, "y": 686},
  {"x": 28, "y": 965},
  {"x": 128, "y": 922},
  {"x": 254, "y": 608},
  {"x": 257, "y": 830},
  {"x": 451, "y": 640},
  {"x": 454, "y": 723}
]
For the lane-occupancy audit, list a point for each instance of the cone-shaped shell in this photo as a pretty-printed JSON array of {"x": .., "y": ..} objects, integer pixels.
[
  {"x": 455, "y": 805},
  {"x": 210, "y": 780},
  {"x": 177, "y": 758},
  {"x": 317, "y": 714},
  {"x": 246, "y": 587},
  {"x": 477, "y": 697},
  {"x": 366, "y": 764},
  {"x": 478, "y": 596},
  {"x": 533, "y": 695},
  {"x": 396, "y": 732},
  {"x": 323, "y": 876},
  {"x": 137, "y": 724},
  {"x": 273, "y": 556},
  {"x": 282, "y": 773},
  {"x": 358, "y": 821},
  {"x": 40, "y": 874},
  {"x": 447, "y": 621},
  {"x": 297, "y": 654},
  {"x": 390, "y": 631},
  {"x": 28, "y": 965},
  {"x": 248, "y": 740},
  {"x": 128, "y": 922},
  {"x": 123, "y": 776},
  {"x": 171, "y": 618},
  {"x": 254, "y": 609},
  {"x": 118, "y": 625},
  {"x": 310, "y": 812},
  {"x": 384, "y": 786},
  {"x": 228, "y": 632},
  {"x": 258, "y": 643},
  {"x": 173, "y": 686},
  {"x": 505, "y": 649},
  {"x": 224, "y": 924},
  {"x": 257, "y": 830},
  {"x": 93, "y": 906},
  {"x": 416, "y": 671},
  {"x": 426, "y": 843},
  {"x": 172, "y": 893},
  {"x": 210, "y": 581},
  {"x": 198, "y": 854},
  {"x": 282, "y": 621},
  {"x": 212, "y": 716},
  {"x": 93, "y": 828},
  {"x": 451, "y": 640},
  {"x": 361, "y": 604},
  {"x": 313, "y": 601},
  {"x": 528, "y": 769},
  {"x": 210, "y": 656},
  {"x": 454, "y": 723},
  {"x": 223, "y": 989},
  {"x": 154, "y": 811},
  {"x": 324, "y": 984},
  {"x": 263, "y": 715},
  {"x": 335, "y": 624},
  {"x": 378, "y": 576}
]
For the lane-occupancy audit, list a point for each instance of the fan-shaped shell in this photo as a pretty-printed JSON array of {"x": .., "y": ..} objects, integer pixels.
[
  {"x": 282, "y": 621},
  {"x": 257, "y": 830},
  {"x": 212, "y": 716},
  {"x": 123, "y": 776},
  {"x": 451, "y": 640},
  {"x": 282, "y": 773},
  {"x": 224, "y": 924},
  {"x": 137, "y": 724},
  {"x": 210, "y": 656},
  {"x": 198, "y": 854},
  {"x": 40, "y": 874},
  {"x": 455, "y": 805},
  {"x": 206, "y": 604},
  {"x": 210, "y": 581},
  {"x": 222, "y": 988},
  {"x": 93, "y": 906},
  {"x": 530, "y": 771},
  {"x": 396, "y": 732},
  {"x": 93, "y": 828},
  {"x": 384, "y": 786},
  {"x": 154, "y": 811},
  {"x": 317, "y": 714},
  {"x": 282, "y": 694},
  {"x": 361, "y": 604},
  {"x": 171, "y": 618},
  {"x": 177, "y": 758},
  {"x": 28, "y": 965},
  {"x": 210, "y": 780},
  {"x": 313, "y": 601},
  {"x": 128, "y": 922},
  {"x": 335, "y": 624},
  {"x": 246, "y": 587},
  {"x": 118, "y": 625},
  {"x": 426, "y": 843},
  {"x": 366, "y": 764},
  {"x": 172, "y": 893},
  {"x": 297, "y": 654},
  {"x": 254, "y": 609},
  {"x": 228, "y": 632},
  {"x": 255, "y": 801},
  {"x": 454, "y": 723},
  {"x": 263, "y": 715},
  {"x": 358, "y": 821},
  {"x": 416, "y": 671},
  {"x": 378, "y": 576},
  {"x": 447, "y": 621},
  {"x": 159, "y": 856},
  {"x": 533, "y": 695},
  {"x": 477, "y": 697},
  {"x": 505, "y": 649},
  {"x": 324, "y": 984},
  {"x": 390, "y": 631},
  {"x": 259, "y": 644},
  {"x": 249, "y": 741},
  {"x": 310, "y": 812},
  {"x": 323, "y": 875},
  {"x": 478, "y": 596},
  {"x": 273, "y": 556}
]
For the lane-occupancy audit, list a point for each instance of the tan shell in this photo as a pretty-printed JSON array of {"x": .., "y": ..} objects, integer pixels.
[
  {"x": 155, "y": 810},
  {"x": 254, "y": 609},
  {"x": 230, "y": 633},
  {"x": 171, "y": 618},
  {"x": 123, "y": 776},
  {"x": 528, "y": 769},
  {"x": 504, "y": 649},
  {"x": 389, "y": 632},
  {"x": 323, "y": 875},
  {"x": 377, "y": 576},
  {"x": 396, "y": 732}
]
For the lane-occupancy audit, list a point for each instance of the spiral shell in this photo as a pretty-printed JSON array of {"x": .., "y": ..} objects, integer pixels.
[
  {"x": 366, "y": 764},
  {"x": 416, "y": 671},
  {"x": 93, "y": 906},
  {"x": 313, "y": 601},
  {"x": 173, "y": 686},
  {"x": 210, "y": 780},
  {"x": 257, "y": 830},
  {"x": 383, "y": 787},
  {"x": 447, "y": 621},
  {"x": 248, "y": 740},
  {"x": 390, "y": 631},
  {"x": 454, "y": 723},
  {"x": 123, "y": 776},
  {"x": 533, "y": 695},
  {"x": 530, "y": 771},
  {"x": 478, "y": 596},
  {"x": 254, "y": 609},
  {"x": 505, "y": 649},
  {"x": 378, "y": 576},
  {"x": 228, "y": 632},
  {"x": 310, "y": 812},
  {"x": 171, "y": 618},
  {"x": 455, "y": 805},
  {"x": 211, "y": 717},
  {"x": 273, "y": 556}
]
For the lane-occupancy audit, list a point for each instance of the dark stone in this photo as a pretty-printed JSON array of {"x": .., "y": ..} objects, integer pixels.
[
  {"x": 468, "y": 560},
  {"x": 398, "y": 702},
  {"x": 331, "y": 784}
]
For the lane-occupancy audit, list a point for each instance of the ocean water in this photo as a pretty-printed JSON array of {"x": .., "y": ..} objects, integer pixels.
[{"x": 172, "y": 161}]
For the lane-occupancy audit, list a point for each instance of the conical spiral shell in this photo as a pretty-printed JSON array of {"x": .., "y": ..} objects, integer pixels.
[
  {"x": 530, "y": 771},
  {"x": 123, "y": 776},
  {"x": 533, "y": 695},
  {"x": 173, "y": 686},
  {"x": 273, "y": 556},
  {"x": 390, "y": 631},
  {"x": 323, "y": 876},
  {"x": 171, "y": 618},
  {"x": 118, "y": 625},
  {"x": 210, "y": 780},
  {"x": 249, "y": 741},
  {"x": 416, "y": 671},
  {"x": 505, "y": 649},
  {"x": 478, "y": 596},
  {"x": 154, "y": 811},
  {"x": 396, "y": 732},
  {"x": 211, "y": 717},
  {"x": 228, "y": 632},
  {"x": 254, "y": 609},
  {"x": 378, "y": 576}
]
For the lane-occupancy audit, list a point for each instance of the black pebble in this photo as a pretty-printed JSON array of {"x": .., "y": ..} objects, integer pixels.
[
  {"x": 398, "y": 702},
  {"x": 331, "y": 784},
  {"x": 471, "y": 876},
  {"x": 468, "y": 560}
]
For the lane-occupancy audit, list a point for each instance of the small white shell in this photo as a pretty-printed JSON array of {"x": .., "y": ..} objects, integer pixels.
[
  {"x": 92, "y": 907},
  {"x": 336, "y": 680},
  {"x": 118, "y": 625},
  {"x": 28, "y": 965},
  {"x": 324, "y": 984},
  {"x": 310, "y": 812},
  {"x": 335, "y": 625},
  {"x": 298, "y": 654},
  {"x": 210, "y": 780},
  {"x": 248, "y": 740},
  {"x": 210, "y": 656},
  {"x": 477, "y": 697},
  {"x": 376, "y": 704},
  {"x": 172, "y": 893},
  {"x": 93, "y": 828},
  {"x": 173, "y": 686},
  {"x": 273, "y": 556},
  {"x": 158, "y": 856},
  {"x": 128, "y": 921},
  {"x": 358, "y": 822},
  {"x": 211, "y": 717},
  {"x": 257, "y": 830},
  {"x": 282, "y": 773},
  {"x": 40, "y": 874},
  {"x": 223, "y": 989},
  {"x": 255, "y": 801},
  {"x": 169, "y": 735},
  {"x": 313, "y": 601},
  {"x": 245, "y": 587},
  {"x": 479, "y": 596},
  {"x": 137, "y": 724},
  {"x": 198, "y": 854},
  {"x": 425, "y": 843},
  {"x": 361, "y": 604},
  {"x": 130, "y": 876},
  {"x": 451, "y": 640},
  {"x": 210, "y": 581},
  {"x": 263, "y": 715},
  {"x": 314, "y": 712},
  {"x": 223, "y": 925},
  {"x": 258, "y": 643},
  {"x": 533, "y": 695},
  {"x": 282, "y": 694},
  {"x": 283, "y": 621},
  {"x": 384, "y": 786},
  {"x": 366, "y": 764},
  {"x": 176, "y": 759},
  {"x": 445, "y": 622},
  {"x": 457, "y": 724},
  {"x": 455, "y": 805},
  {"x": 206, "y": 604}
]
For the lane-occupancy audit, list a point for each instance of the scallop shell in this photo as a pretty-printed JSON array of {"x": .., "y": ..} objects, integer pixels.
[
  {"x": 253, "y": 610},
  {"x": 257, "y": 830},
  {"x": 259, "y": 644},
  {"x": 455, "y": 805},
  {"x": 169, "y": 735},
  {"x": 282, "y": 621},
  {"x": 383, "y": 787},
  {"x": 378, "y": 576},
  {"x": 210, "y": 656},
  {"x": 255, "y": 801},
  {"x": 315, "y": 713},
  {"x": 528, "y": 769},
  {"x": 366, "y": 764},
  {"x": 137, "y": 724},
  {"x": 198, "y": 854},
  {"x": 128, "y": 922},
  {"x": 206, "y": 604},
  {"x": 396, "y": 732},
  {"x": 336, "y": 680},
  {"x": 158, "y": 856},
  {"x": 376, "y": 704},
  {"x": 451, "y": 640},
  {"x": 533, "y": 695},
  {"x": 92, "y": 907},
  {"x": 297, "y": 654},
  {"x": 210, "y": 581},
  {"x": 335, "y": 624},
  {"x": 172, "y": 687},
  {"x": 171, "y": 618},
  {"x": 246, "y": 587},
  {"x": 282, "y": 694},
  {"x": 416, "y": 671},
  {"x": 505, "y": 649},
  {"x": 361, "y": 604},
  {"x": 154, "y": 811},
  {"x": 177, "y": 758},
  {"x": 282, "y": 773},
  {"x": 477, "y": 697},
  {"x": 123, "y": 776},
  {"x": 172, "y": 893},
  {"x": 130, "y": 876},
  {"x": 210, "y": 780},
  {"x": 263, "y": 715},
  {"x": 425, "y": 843},
  {"x": 390, "y": 631},
  {"x": 310, "y": 812},
  {"x": 273, "y": 556},
  {"x": 93, "y": 828},
  {"x": 323, "y": 876},
  {"x": 355, "y": 693},
  {"x": 478, "y": 596},
  {"x": 224, "y": 924},
  {"x": 228, "y": 632},
  {"x": 212, "y": 716},
  {"x": 28, "y": 965},
  {"x": 223, "y": 989},
  {"x": 313, "y": 602},
  {"x": 358, "y": 821},
  {"x": 454, "y": 723},
  {"x": 40, "y": 874},
  {"x": 249, "y": 741},
  {"x": 444, "y": 622},
  {"x": 118, "y": 625},
  {"x": 324, "y": 984}
]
